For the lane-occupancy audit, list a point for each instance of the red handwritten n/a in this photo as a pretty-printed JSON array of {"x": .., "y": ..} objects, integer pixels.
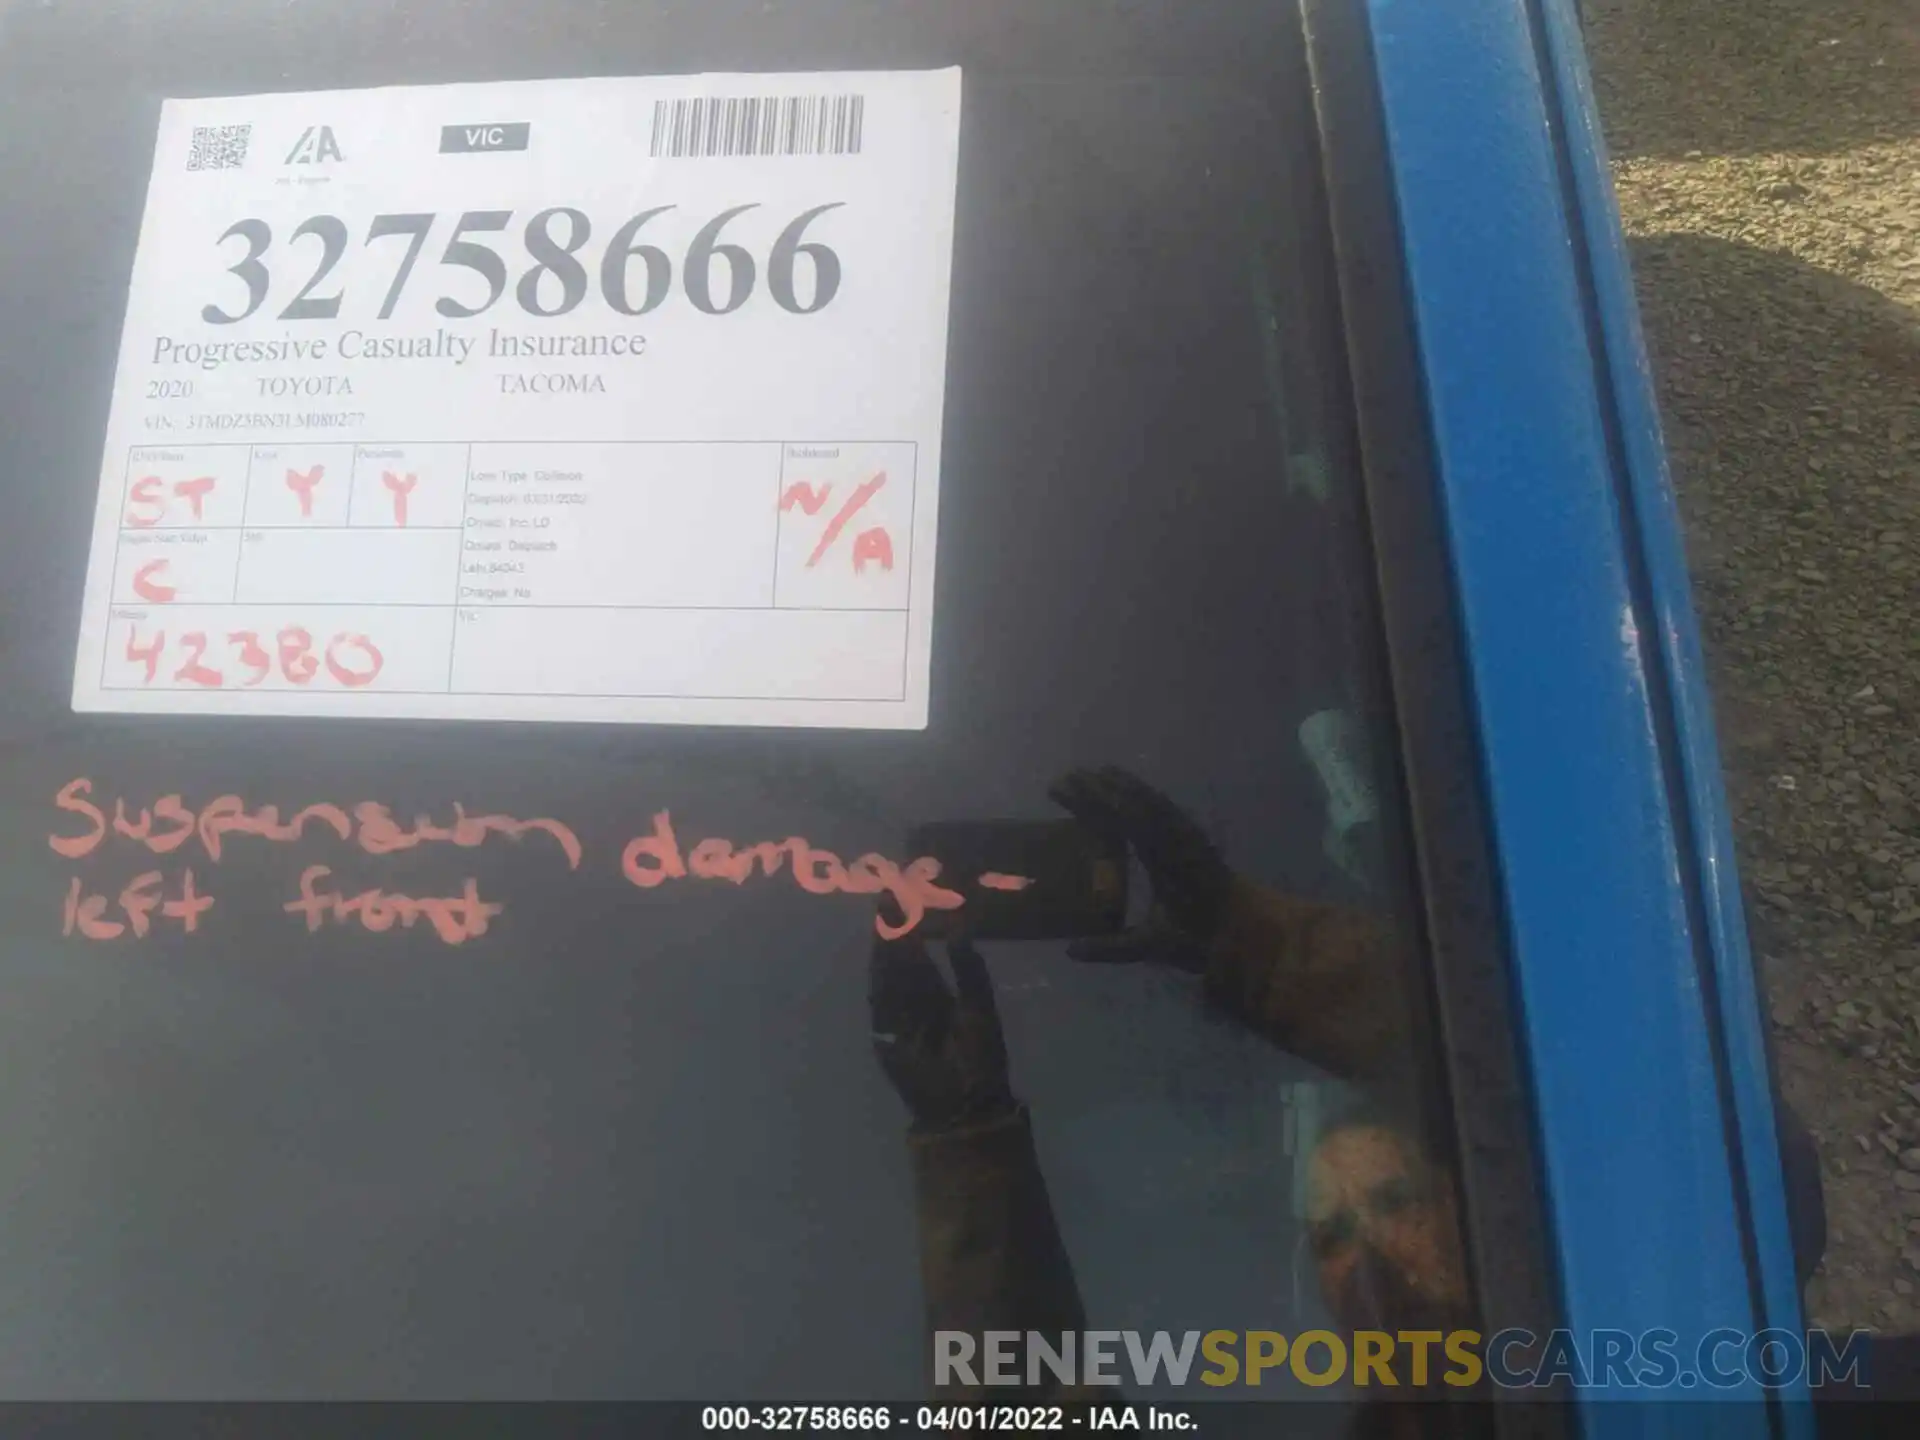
[
  {"x": 810, "y": 500},
  {"x": 845, "y": 514},
  {"x": 874, "y": 546}
]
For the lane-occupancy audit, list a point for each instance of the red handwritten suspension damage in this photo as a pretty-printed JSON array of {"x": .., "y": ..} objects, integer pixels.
[
  {"x": 454, "y": 921},
  {"x": 371, "y": 826},
  {"x": 652, "y": 860},
  {"x": 648, "y": 862}
]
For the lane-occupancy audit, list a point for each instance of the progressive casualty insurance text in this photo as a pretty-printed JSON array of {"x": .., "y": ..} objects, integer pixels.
[{"x": 556, "y": 284}]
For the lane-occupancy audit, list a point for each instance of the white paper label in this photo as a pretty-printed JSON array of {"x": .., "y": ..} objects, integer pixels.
[{"x": 612, "y": 400}]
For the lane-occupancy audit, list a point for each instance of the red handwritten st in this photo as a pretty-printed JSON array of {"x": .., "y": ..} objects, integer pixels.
[{"x": 147, "y": 499}]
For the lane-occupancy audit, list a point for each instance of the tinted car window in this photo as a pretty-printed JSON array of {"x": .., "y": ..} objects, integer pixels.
[{"x": 694, "y": 1140}]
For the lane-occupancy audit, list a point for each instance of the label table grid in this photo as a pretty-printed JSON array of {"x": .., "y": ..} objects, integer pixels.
[{"x": 736, "y": 569}]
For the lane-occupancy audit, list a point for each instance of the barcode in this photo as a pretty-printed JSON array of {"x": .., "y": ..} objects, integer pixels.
[
  {"x": 766, "y": 125},
  {"x": 219, "y": 147}
]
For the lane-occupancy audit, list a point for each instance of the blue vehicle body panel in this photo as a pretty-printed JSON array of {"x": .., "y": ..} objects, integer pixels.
[
  {"x": 1610, "y": 825},
  {"x": 1655, "y": 526}
]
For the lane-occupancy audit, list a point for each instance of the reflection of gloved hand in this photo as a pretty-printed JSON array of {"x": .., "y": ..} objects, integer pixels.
[
  {"x": 943, "y": 1051},
  {"x": 1327, "y": 984},
  {"x": 1191, "y": 882}
]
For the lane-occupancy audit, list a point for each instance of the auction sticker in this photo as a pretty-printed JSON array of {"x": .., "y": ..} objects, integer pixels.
[{"x": 574, "y": 400}]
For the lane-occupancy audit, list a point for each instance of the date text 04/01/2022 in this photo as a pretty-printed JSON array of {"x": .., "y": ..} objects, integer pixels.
[{"x": 943, "y": 1419}]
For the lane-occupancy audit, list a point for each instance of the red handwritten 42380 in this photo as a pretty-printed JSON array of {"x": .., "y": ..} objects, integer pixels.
[{"x": 351, "y": 660}]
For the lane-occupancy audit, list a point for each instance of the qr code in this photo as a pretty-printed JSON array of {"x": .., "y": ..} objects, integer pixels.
[{"x": 219, "y": 147}]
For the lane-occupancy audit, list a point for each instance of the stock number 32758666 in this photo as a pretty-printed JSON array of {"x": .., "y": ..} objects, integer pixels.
[{"x": 558, "y": 280}]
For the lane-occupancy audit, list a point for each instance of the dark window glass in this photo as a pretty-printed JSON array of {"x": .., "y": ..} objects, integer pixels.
[{"x": 708, "y": 1140}]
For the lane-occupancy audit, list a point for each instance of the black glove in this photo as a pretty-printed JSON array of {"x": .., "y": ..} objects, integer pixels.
[
  {"x": 943, "y": 1052},
  {"x": 1191, "y": 882}
]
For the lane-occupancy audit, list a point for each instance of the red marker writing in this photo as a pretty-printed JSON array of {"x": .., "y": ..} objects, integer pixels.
[
  {"x": 304, "y": 486},
  {"x": 401, "y": 488},
  {"x": 147, "y": 587}
]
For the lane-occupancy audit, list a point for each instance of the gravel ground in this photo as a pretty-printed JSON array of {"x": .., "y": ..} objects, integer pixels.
[{"x": 1767, "y": 158}]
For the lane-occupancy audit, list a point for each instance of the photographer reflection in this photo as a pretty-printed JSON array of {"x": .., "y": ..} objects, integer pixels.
[
  {"x": 1324, "y": 983},
  {"x": 1384, "y": 1227},
  {"x": 991, "y": 1257}
]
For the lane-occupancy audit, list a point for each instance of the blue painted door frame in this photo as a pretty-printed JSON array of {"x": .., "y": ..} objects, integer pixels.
[{"x": 1640, "y": 1013}]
